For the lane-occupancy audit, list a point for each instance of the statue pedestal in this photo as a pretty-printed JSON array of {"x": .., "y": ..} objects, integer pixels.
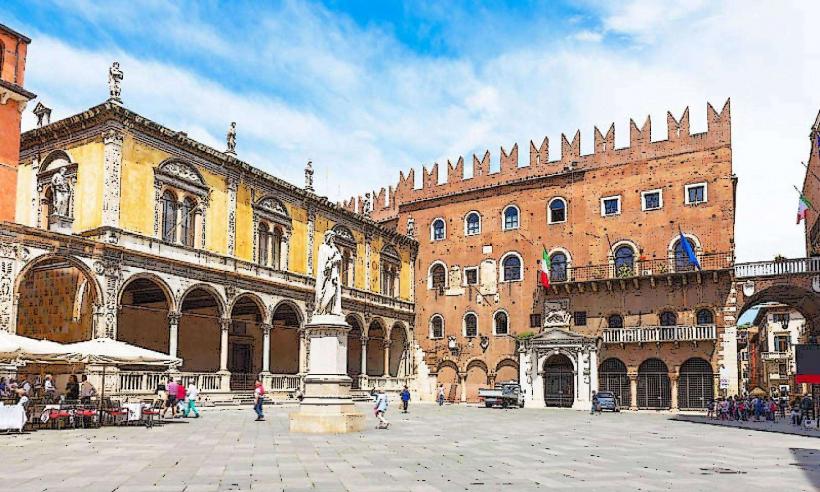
[
  {"x": 327, "y": 406},
  {"x": 58, "y": 223}
]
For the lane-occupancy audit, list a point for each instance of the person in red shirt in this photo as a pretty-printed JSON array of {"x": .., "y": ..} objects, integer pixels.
[{"x": 181, "y": 393}]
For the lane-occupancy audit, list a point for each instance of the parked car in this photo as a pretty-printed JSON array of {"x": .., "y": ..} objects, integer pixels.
[
  {"x": 608, "y": 401},
  {"x": 503, "y": 395}
]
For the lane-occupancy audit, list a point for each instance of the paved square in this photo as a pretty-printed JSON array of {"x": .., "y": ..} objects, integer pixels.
[{"x": 432, "y": 448}]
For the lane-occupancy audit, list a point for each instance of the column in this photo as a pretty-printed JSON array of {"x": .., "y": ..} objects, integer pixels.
[
  {"x": 269, "y": 241},
  {"x": 303, "y": 354},
  {"x": 633, "y": 390},
  {"x": 223, "y": 346},
  {"x": 367, "y": 268},
  {"x": 266, "y": 327},
  {"x": 593, "y": 370},
  {"x": 173, "y": 333},
  {"x": 112, "y": 141},
  {"x": 673, "y": 378},
  {"x": 284, "y": 251},
  {"x": 178, "y": 227},
  {"x": 386, "y": 358},
  {"x": 364, "y": 355},
  {"x": 462, "y": 377},
  {"x": 233, "y": 184}
]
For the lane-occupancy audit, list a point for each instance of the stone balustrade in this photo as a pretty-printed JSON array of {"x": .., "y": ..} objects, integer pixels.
[{"x": 648, "y": 334}]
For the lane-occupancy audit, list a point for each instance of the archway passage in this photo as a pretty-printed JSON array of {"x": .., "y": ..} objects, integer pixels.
[
  {"x": 375, "y": 349},
  {"x": 284, "y": 340},
  {"x": 245, "y": 341},
  {"x": 476, "y": 379},
  {"x": 696, "y": 384},
  {"x": 654, "y": 390},
  {"x": 399, "y": 352},
  {"x": 507, "y": 371},
  {"x": 448, "y": 376},
  {"x": 801, "y": 299},
  {"x": 612, "y": 377},
  {"x": 199, "y": 331},
  {"x": 143, "y": 316},
  {"x": 559, "y": 381},
  {"x": 56, "y": 302},
  {"x": 354, "y": 350}
]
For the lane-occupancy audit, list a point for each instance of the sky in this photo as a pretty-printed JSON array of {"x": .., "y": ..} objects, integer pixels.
[{"x": 367, "y": 89}]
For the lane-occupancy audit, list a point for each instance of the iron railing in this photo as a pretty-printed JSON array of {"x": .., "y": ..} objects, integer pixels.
[
  {"x": 777, "y": 267},
  {"x": 648, "y": 334},
  {"x": 642, "y": 268}
]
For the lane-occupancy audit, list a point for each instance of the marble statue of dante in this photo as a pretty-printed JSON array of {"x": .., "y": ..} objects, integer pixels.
[
  {"x": 115, "y": 76},
  {"x": 328, "y": 285},
  {"x": 231, "y": 137},
  {"x": 60, "y": 193}
]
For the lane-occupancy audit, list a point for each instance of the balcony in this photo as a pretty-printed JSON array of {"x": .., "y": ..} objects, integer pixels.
[
  {"x": 777, "y": 267},
  {"x": 642, "y": 268},
  {"x": 658, "y": 334},
  {"x": 776, "y": 356}
]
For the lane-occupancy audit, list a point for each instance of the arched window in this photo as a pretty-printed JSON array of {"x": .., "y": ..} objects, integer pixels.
[
  {"x": 437, "y": 230},
  {"x": 437, "y": 326},
  {"x": 615, "y": 321},
  {"x": 511, "y": 265},
  {"x": 557, "y": 211},
  {"x": 705, "y": 317},
  {"x": 470, "y": 325},
  {"x": 558, "y": 267},
  {"x": 390, "y": 265},
  {"x": 472, "y": 224},
  {"x": 511, "y": 218},
  {"x": 500, "y": 322},
  {"x": 668, "y": 318},
  {"x": 276, "y": 247},
  {"x": 188, "y": 229},
  {"x": 438, "y": 275},
  {"x": 263, "y": 244},
  {"x": 169, "y": 217},
  {"x": 682, "y": 261},
  {"x": 624, "y": 261}
]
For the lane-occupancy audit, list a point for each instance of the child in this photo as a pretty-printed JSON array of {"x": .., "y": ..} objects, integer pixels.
[{"x": 380, "y": 408}]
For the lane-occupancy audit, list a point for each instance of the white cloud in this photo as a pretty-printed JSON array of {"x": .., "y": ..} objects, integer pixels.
[{"x": 363, "y": 107}]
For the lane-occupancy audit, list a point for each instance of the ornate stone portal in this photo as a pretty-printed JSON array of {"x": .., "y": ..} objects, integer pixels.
[
  {"x": 327, "y": 406},
  {"x": 544, "y": 381}
]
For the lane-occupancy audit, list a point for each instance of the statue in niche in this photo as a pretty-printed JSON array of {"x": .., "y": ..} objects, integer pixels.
[
  {"x": 411, "y": 227},
  {"x": 115, "y": 76},
  {"x": 230, "y": 138},
  {"x": 328, "y": 285},
  {"x": 60, "y": 193}
]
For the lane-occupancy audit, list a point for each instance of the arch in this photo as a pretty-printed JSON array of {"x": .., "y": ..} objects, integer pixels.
[
  {"x": 438, "y": 229},
  {"x": 512, "y": 267},
  {"x": 447, "y": 375},
  {"x": 612, "y": 376},
  {"x": 510, "y": 218},
  {"x": 447, "y": 363},
  {"x": 654, "y": 387},
  {"x": 344, "y": 234},
  {"x": 286, "y": 320},
  {"x": 58, "y": 158},
  {"x": 678, "y": 257},
  {"x": 68, "y": 288},
  {"x": 799, "y": 298},
  {"x": 169, "y": 216},
  {"x": 437, "y": 275},
  {"x": 506, "y": 370},
  {"x": 354, "y": 347},
  {"x": 297, "y": 310},
  {"x": 245, "y": 341},
  {"x": 272, "y": 204},
  {"x": 560, "y": 264},
  {"x": 207, "y": 288},
  {"x": 181, "y": 169},
  {"x": 695, "y": 384},
  {"x": 253, "y": 297},
  {"x": 399, "y": 355},
  {"x": 676, "y": 238},
  {"x": 501, "y": 322},
  {"x": 436, "y": 330},
  {"x": 477, "y": 377},
  {"x": 476, "y": 361},
  {"x": 624, "y": 256},
  {"x": 145, "y": 302},
  {"x": 557, "y": 210},
  {"x": 668, "y": 318},
  {"x": 376, "y": 336},
  {"x": 472, "y": 223},
  {"x": 705, "y": 316},
  {"x": 559, "y": 380},
  {"x": 469, "y": 324}
]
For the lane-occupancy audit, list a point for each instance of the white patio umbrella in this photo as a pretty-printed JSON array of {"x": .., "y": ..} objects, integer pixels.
[{"x": 19, "y": 349}]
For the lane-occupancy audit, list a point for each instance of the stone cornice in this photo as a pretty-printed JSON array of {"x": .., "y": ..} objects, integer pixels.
[{"x": 86, "y": 124}]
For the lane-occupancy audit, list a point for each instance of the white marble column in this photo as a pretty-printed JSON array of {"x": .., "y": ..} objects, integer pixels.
[
  {"x": 284, "y": 252},
  {"x": 266, "y": 328},
  {"x": 386, "y": 371},
  {"x": 462, "y": 377},
  {"x": 178, "y": 228},
  {"x": 593, "y": 370},
  {"x": 303, "y": 355},
  {"x": 223, "y": 346},
  {"x": 633, "y": 390},
  {"x": 173, "y": 333}
]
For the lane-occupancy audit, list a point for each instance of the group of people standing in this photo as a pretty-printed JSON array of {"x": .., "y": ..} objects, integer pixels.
[
  {"x": 178, "y": 398},
  {"x": 759, "y": 408}
]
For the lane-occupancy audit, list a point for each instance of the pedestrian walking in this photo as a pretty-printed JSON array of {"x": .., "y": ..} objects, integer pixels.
[
  {"x": 258, "y": 399},
  {"x": 182, "y": 399},
  {"x": 192, "y": 394},
  {"x": 380, "y": 408},
  {"x": 171, "y": 402},
  {"x": 440, "y": 396},
  {"x": 594, "y": 407},
  {"x": 405, "y": 399}
]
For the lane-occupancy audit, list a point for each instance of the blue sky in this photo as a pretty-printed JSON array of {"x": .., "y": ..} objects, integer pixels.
[{"x": 366, "y": 89}]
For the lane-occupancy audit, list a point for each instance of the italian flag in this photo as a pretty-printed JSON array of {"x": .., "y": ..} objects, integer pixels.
[
  {"x": 545, "y": 269},
  {"x": 803, "y": 205}
]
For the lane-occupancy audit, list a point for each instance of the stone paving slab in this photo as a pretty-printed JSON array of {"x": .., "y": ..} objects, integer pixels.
[
  {"x": 781, "y": 426},
  {"x": 430, "y": 449}
]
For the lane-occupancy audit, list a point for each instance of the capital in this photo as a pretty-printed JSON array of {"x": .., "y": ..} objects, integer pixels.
[
  {"x": 225, "y": 324},
  {"x": 173, "y": 317},
  {"x": 266, "y": 328},
  {"x": 112, "y": 137}
]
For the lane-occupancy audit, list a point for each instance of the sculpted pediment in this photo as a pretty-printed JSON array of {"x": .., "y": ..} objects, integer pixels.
[{"x": 182, "y": 171}]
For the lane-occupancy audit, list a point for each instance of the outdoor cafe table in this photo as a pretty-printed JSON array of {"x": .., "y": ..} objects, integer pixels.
[{"x": 12, "y": 417}]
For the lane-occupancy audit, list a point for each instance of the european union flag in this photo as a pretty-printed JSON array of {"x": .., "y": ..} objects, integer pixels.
[{"x": 690, "y": 253}]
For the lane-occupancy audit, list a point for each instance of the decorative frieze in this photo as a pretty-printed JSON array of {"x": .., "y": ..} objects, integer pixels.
[
  {"x": 311, "y": 232},
  {"x": 112, "y": 140},
  {"x": 233, "y": 183}
]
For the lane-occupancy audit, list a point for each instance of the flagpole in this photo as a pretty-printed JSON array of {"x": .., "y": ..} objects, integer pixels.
[{"x": 801, "y": 196}]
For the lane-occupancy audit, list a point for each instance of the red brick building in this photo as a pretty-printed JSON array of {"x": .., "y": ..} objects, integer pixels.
[
  {"x": 13, "y": 99},
  {"x": 622, "y": 282},
  {"x": 811, "y": 190}
]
